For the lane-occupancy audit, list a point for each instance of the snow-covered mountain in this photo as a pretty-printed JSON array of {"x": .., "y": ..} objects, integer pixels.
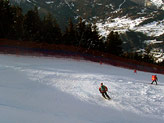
[
  {"x": 101, "y": 11},
  {"x": 145, "y": 18},
  {"x": 158, "y": 4}
]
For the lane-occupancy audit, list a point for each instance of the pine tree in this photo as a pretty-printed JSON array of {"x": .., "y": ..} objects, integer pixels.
[
  {"x": 80, "y": 32},
  {"x": 69, "y": 36},
  {"x": 5, "y": 18},
  {"x": 113, "y": 44},
  {"x": 16, "y": 29},
  {"x": 32, "y": 25},
  {"x": 51, "y": 32},
  {"x": 95, "y": 39},
  {"x": 57, "y": 31}
]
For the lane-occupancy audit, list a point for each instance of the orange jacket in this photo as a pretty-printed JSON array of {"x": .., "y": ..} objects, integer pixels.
[{"x": 154, "y": 77}]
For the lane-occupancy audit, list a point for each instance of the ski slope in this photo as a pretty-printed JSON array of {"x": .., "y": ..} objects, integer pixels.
[{"x": 49, "y": 90}]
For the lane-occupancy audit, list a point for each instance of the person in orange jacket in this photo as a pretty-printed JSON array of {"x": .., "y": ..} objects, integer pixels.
[
  {"x": 154, "y": 79},
  {"x": 103, "y": 90}
]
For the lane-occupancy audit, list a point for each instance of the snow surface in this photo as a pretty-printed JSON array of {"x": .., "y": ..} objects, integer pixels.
[{"x": 49, "y": 90}]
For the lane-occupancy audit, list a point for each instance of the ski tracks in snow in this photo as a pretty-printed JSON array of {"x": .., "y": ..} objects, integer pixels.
[{"x": 127, "y": 92}]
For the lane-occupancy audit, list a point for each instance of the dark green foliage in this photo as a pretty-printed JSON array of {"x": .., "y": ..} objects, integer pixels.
[
  {"x": 69, "y": 37},
  {"x": 16, "y": 28},
  {"x": 113, "y": 44},
  {"x": 95, "y": 40},
  {"x": 82, "y": 35},
  {"x": 11, "y": 21},
  {"x": 81, "y": 30},
  {"x": 50, "y": 31},
  {"x": 5, "y": 18},
  {"x": 32, "y": 25},
  {"x": 134, "y": 40},
  {"x": 87, "y": 36},
  {"x": 139, "y": 57}
]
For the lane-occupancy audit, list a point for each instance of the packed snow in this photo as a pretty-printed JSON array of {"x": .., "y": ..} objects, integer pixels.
[{"x": 49, "y": 89}]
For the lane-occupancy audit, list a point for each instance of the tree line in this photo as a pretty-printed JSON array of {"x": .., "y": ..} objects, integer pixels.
[{"x": 31, "y": 27}]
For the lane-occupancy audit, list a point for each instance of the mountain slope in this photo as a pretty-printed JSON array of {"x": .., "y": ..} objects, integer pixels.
[
  {"x": 48, "y": 90},
  {"x": 93, "y": 11},
  {"x": 65, "y": 9},
  {"x": 142, "y": 17}
]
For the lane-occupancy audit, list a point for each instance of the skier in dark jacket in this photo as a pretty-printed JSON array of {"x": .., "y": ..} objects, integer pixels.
[{"x": 103, "y": 90}]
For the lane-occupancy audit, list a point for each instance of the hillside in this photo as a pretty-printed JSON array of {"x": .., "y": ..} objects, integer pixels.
[
  {"x": 48, "y": 89},
  {"x": 137, "y": 21},
  {"x": 62, "y": 10},
  {"x": 101, "y": 11}
]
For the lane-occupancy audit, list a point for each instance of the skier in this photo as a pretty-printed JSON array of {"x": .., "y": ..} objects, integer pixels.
[
  {"x": 154, "y": 79},
  {"x": 103, "y": 90}
]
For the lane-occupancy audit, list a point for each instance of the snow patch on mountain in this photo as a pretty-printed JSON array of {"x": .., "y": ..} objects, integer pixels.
[
  {"x": 49, "y": 2},
  {"x": 124, "y": 24},
  {"x": 158, "y": 3},
  {"x": 120, "y": 25},
  {"x": 152, "y": 29},
  {"x": 29, "y": 1},
  {"x": 148, "y": 42}
]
